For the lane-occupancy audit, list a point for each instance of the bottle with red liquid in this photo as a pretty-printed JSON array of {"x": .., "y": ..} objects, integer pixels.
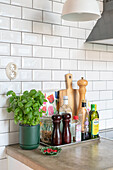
[
  {"x": 66, "y": 135},
  {"x": 56, "y": 135}
]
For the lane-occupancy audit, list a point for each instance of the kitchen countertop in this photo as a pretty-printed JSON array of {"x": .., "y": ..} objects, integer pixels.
[{"x": 87, "y": 156}]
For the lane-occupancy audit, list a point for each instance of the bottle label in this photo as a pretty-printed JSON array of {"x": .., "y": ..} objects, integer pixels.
[
  {"x": 89, "y": 126},
  {"x": 65, "y": 102},
  {"x": 78, "y": 133},
  {"x": 72, "y": 127},
  {"x": 95, "y": 126}
]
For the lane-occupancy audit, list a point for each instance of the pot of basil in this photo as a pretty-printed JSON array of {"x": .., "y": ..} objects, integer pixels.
[{"x": 27, "y": 111}]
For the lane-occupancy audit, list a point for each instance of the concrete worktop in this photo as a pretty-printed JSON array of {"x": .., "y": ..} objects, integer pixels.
[{"x": 87, "y": 156}]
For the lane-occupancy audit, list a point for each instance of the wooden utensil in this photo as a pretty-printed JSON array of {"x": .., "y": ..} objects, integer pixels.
[{"x": 73, "y": 95}]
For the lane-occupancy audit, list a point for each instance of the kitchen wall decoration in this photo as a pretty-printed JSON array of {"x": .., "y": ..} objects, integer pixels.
[{"x": 50, "y": 107}]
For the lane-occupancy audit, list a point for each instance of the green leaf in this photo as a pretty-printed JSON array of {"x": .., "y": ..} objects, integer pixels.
[
  {"x": 21, "y": 119},
  {"x": 30, "y": 115},
  {"x": 9, "y": 109},
  {"x": 20, "y": 104},
  {"x": 45, "y": 100},
  {"x": 29, "y": 99},
  {"x": 35, "y": 105},
  {"x": 25, "y": 93},
  {"x": 11, "y": 93},
  {"x": 29, "y": 104},
  {"x": 16, "y": 121},
  {"x": 36, "y": 112},
  {"x": 14, "y": 105},
  {"x": 40, "y": 114},
  {"x": 32, "y": 92},
  {"x": 11, "y": 99},
  {"x": 25, "y": 121},
  {"x": 24, "y": 101},
  {"x": 27, "y": 110},
  {"x": 36, "y": 95},
  {"x": 17, "y": 110}
]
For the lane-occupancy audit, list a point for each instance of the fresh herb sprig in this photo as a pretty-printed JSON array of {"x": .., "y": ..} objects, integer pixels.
[{"x": 26, "y": 107}]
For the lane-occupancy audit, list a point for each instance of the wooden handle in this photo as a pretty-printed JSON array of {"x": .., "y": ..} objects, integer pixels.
[{"x": 68, "y": 81}]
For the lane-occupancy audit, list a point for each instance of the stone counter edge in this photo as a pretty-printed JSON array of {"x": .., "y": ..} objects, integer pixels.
[{"x": 10, "y": 151}]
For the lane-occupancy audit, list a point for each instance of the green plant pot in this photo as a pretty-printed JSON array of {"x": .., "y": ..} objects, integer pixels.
[{"x": 29, "y": 136}]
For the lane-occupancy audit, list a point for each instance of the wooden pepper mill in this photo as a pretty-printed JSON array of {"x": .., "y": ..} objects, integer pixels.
[
  {"x": 66, "y": 135},
  {"x": 56, "y": 135},
  {"x": 82, "y": 90}
]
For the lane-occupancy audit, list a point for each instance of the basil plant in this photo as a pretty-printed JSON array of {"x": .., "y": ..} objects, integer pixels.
[{"x": 26, "y": 107}]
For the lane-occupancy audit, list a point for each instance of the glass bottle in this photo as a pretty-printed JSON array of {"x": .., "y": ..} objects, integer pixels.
[
  {"x": 77, "y": 129},
  {"x": 87, "y": 126},
  {"x": 65, "y": 108},
  {"x": 72, "y": 128},
  {"x": 94, "y": 122},
  {"x": 82, "y": 117}
]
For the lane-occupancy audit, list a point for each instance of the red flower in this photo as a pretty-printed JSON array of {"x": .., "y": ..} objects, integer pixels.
[
  {"x": 54, "y": 150},
  {"x": 45, "y": 150},
  {"x": 51, "y": 98},
  {"x": 44, "y": 108},
  {"x": 49, "y": 150}
]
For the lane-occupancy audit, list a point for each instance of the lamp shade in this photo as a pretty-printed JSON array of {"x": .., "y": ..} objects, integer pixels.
[{"x": 80, "y": 10}]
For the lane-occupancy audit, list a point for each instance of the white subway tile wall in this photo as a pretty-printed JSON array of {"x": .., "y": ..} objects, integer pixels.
[{"x": 45, "y": 48}]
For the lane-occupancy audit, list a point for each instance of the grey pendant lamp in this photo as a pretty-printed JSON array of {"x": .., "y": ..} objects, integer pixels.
[{"x": 80, "y": 10}]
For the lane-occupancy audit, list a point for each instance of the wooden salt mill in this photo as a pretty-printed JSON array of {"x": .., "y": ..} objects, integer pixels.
[{"x": 82, "y": 90}]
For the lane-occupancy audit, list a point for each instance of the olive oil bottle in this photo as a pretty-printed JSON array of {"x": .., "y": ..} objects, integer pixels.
[{"x": 93, "y": 122}]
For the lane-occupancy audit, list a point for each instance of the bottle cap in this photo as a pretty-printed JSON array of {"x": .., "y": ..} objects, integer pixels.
[
  {"x": 65, "y": 97},
  {"x": 75, "y": 117},
  {"x": 93, "y": 107},
  {"x": 83, "y": 104},
  {"x": 57, "y": 94}
]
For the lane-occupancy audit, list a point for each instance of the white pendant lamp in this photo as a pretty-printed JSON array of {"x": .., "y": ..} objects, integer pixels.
[{"x": 80, "y": 10}]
